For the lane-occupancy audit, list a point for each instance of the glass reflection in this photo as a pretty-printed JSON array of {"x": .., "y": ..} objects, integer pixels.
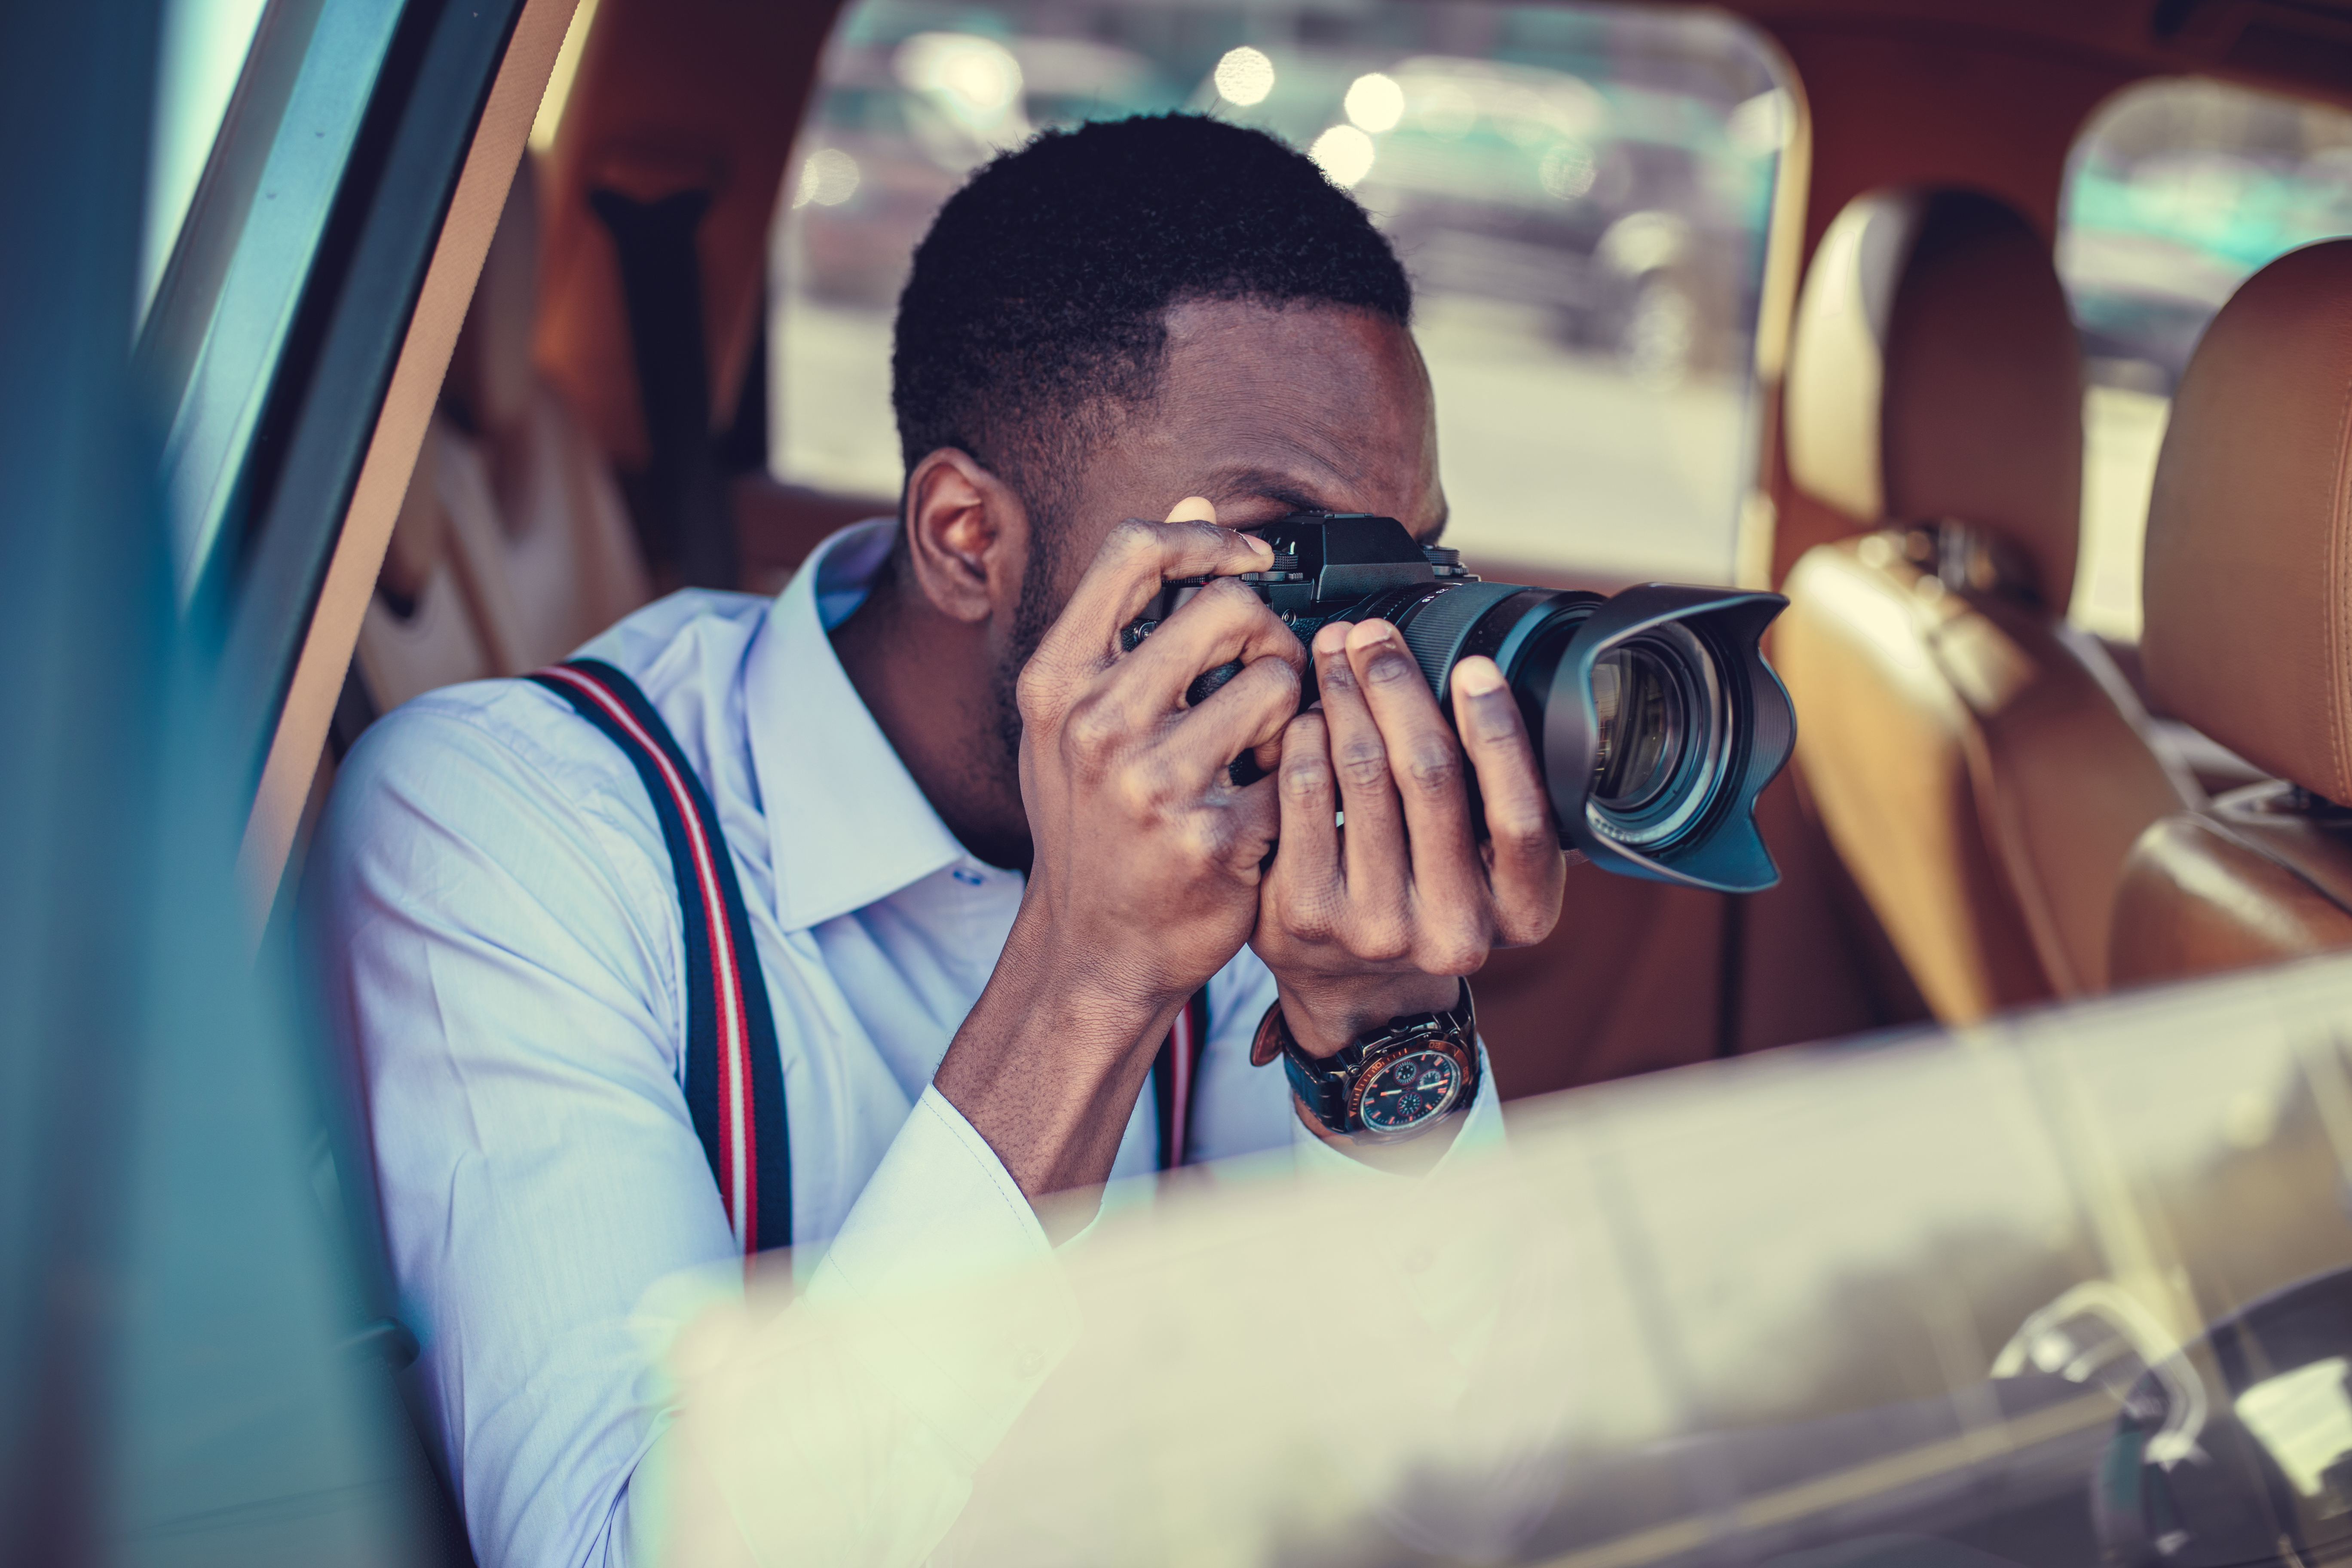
[
  {"x": 2026, "y": 1295},
  {"x": 2303, "y": 1420}
]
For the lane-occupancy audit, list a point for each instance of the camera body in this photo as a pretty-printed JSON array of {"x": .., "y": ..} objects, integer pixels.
[{"x": 1653, "y": 713}]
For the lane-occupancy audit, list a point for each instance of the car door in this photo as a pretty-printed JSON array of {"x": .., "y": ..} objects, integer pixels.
[{"x": 207, "y": 446}]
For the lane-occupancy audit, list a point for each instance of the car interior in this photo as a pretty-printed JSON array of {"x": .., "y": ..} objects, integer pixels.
[
  {"x": 1982, "y": 767},
  {"x": 2009, "y": 341},
  {"x": 1976, "y": 770},
  {"x": 2243, "y": 616}
]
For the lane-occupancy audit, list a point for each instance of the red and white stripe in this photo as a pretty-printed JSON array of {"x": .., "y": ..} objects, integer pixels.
[
  {"x": 1183, "y": 1051},
  {"x": 737, "y": 1136}
]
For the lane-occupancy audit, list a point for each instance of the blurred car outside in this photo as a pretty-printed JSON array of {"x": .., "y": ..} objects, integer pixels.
[{"x": 1580, "y": 194}]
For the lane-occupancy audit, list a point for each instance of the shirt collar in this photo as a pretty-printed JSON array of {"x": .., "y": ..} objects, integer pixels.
[{"x": 847, "y": 822}]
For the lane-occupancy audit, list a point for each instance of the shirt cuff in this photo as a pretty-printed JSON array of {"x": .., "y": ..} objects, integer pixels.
[{"x": 941, "y": 1216}]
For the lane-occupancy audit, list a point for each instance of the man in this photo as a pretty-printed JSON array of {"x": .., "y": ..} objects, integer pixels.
[{"x": 986, "y": 856}]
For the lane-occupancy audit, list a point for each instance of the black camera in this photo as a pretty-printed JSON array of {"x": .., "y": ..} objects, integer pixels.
[{"x": 1653, "y": 713}]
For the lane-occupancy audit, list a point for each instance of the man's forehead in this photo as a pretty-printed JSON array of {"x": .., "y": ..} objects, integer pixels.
[{"x": 1303, "y": 408}]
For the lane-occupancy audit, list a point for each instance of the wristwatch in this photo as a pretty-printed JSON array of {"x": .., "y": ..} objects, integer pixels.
[{"x": 1394, "y": 1083}]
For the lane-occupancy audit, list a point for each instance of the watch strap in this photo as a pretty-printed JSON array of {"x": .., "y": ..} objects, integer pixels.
[{"x": 1323, "y": 1084}]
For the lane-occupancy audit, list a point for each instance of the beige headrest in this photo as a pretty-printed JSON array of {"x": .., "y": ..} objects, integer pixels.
[
  {"x": 1934, "y": 373},
  {"x": 2248, "y": 589},
  {"x": 490, "y": 376}
]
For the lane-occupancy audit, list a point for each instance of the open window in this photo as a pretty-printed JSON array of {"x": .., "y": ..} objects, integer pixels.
[{"x": 1580, "y": 194}]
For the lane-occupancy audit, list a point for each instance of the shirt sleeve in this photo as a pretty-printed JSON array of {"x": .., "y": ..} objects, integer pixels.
[
  {"x": 849, "y": 1427},
  {"x": 501, "y": 944}
]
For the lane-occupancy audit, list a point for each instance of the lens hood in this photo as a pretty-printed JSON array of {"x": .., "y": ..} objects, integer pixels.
[{"x": 1714, "y": 843}]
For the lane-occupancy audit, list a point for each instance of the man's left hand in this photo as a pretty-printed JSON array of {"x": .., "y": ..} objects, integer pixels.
[{"x": 1381, "y": 917}]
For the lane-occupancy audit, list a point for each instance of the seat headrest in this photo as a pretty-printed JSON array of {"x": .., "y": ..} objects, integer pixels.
[
  {"x": 490, "y": 374},
  {"x": 1934, "y": 373},
  {"x": 2247, "y": 590}
]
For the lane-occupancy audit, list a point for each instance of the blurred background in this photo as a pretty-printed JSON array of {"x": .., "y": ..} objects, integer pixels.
[{"x": 1581, "y": 196}]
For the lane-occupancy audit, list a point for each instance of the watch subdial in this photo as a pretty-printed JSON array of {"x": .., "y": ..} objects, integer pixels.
[{"x": 1408, "y": 1092}]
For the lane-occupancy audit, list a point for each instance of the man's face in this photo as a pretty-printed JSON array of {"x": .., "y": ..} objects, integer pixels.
[
  {"x": 1268, "y": 411},
  {"x": 1264, "y": 411}
]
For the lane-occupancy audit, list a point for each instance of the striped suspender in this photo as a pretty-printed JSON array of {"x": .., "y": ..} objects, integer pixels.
[
  {"x": 734, "y": 1076},
  {"x": 1172, "y": 1074}
]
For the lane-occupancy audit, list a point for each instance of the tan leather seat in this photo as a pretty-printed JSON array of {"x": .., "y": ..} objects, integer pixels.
[
  {"x": 513, "y": 546},
  {"x": 1982, "y": 767},
  {"x": 2248, "y": 631},
  {"x": 426, "y": 625}
]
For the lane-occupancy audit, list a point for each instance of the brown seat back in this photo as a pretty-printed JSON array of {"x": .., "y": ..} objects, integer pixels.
[
  {"x": 423, "y": 627},
  {"x": 2248, "y": 631},
  {"x": 513, "y": 546},
  {"x": 570, "y": 558},
  {"x": 1982, "y": 769}
]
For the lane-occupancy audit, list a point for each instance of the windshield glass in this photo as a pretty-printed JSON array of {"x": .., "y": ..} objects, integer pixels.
[{"x": 2071, "y": 1289}]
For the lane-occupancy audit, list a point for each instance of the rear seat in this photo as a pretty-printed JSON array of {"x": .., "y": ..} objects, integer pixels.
[
  {"x": 1982, "y": 767},
  {"x": 2248, "y": 635},
  {"x": 513, "y": 546}
]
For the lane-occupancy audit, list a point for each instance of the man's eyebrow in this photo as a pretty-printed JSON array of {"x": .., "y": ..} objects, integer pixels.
[{"x": 1265, "y": 485}]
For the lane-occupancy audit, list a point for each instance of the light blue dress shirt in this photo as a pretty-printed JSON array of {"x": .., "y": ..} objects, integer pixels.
[{"x": 506, "y": 953}]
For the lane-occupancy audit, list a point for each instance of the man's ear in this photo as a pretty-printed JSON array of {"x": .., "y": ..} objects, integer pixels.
[{"x": 967, "y": 536}]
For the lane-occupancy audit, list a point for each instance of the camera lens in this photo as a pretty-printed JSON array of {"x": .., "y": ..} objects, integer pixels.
[
  {"x": 1654, "y": 720},
  {"x": 1653, "y": 713},
  {"x": 1641, "y": 713},
  {"x": 1661, "y": 736}
]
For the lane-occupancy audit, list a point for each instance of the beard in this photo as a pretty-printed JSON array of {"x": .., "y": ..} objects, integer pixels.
[{"x": 1033, "y": 616}]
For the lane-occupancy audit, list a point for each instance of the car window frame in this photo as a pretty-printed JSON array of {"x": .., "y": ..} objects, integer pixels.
[{"x": 315, "y": 477}]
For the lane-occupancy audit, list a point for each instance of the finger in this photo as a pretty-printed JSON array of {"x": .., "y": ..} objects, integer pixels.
[
  {"x": 1244, "y": 714},
  {"x": 1193, "y": 508},
  {"x": 1374, "y": 857},
  {"x": 1221, "y": 624},
  {"x": 1525, "y": 866},
  {"x": 1135, "y": 559},
  {"x": 1425, "y": 761},
  {"x": 1304, "y": 883}
]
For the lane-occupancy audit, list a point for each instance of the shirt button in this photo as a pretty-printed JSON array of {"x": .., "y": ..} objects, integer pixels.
[{"x": 1029, "y": 1363}]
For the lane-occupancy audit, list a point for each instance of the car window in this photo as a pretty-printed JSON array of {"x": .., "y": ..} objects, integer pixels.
[
  {"x": 229, "y": 285},
  {"x": 2068, "y": 1290},
  {"x": 1581, "y": 195},
  {"x": 2175, "y": 193},
  {"x": 203, "y": 48}
]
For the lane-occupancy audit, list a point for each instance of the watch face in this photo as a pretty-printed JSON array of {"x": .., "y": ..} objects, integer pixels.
[{"x": 1408, "y": 1092}]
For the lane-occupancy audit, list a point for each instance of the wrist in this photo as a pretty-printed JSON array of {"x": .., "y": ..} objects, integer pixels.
[
  {"x": 1048, "y": 1066},
  {"x": 1400, "y": 1080},
  {"x": 1326, "y": 1013}
]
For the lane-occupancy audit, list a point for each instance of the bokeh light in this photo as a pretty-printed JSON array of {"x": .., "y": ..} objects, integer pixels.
[
  {"x": 976, "y": 75},
  {"x": 1567, "y": 170},
  {"x": 1344, "y": 153},
  {"x": 828, "y": 178},
  {"x": 1245, "y": 77},
  {"x": 1375, "y": 102}
]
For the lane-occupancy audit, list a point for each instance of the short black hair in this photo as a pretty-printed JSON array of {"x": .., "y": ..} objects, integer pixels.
[{"x": 1037, "y": 304}]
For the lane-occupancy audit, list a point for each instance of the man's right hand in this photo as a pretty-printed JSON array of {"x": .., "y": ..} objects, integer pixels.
[{"x": 1145, "y": 880}]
